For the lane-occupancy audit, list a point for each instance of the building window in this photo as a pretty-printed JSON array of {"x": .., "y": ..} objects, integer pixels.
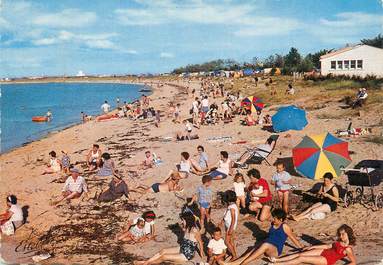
[
  {"x": 353, "y": 64},
  {"x": 346, "y": 64},
  {"x": 340, "y": 64},
  {"x": 333, "y": 65},
  {"x": 359, "y": 64}
]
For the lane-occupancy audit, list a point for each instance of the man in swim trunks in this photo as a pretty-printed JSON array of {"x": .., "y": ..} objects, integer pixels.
[{"x": 170, "y": 184}]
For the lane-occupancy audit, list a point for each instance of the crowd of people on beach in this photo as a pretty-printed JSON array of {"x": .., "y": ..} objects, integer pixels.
[{"x": 251, "y": 195}]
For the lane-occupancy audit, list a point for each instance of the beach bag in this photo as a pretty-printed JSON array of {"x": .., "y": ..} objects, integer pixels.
[
  {"x": 8, "y": 228},
  {"x": 318, "y": 216}
]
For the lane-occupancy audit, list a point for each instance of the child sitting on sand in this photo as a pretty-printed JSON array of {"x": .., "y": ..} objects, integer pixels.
[
  {"x": 135, "y": 234},
  {"x": 216, "y": 248},
  {"x": 108, "y": 168},
  {"x": 54, "y": 165},
  {"x": 239, "y": 188},
  {"x": 204, "y": 196}
]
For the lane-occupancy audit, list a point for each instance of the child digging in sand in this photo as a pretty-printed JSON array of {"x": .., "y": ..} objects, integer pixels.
[
  {"x": 204, "y": 196},
  {"x": 216, "y": 248}
]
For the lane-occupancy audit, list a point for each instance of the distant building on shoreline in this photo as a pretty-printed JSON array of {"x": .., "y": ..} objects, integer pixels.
[
  {"x": 80, "y": 74},
  {"x": 359, "y": 60}
]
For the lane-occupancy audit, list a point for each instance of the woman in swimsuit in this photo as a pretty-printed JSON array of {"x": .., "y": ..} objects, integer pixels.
[
  {"x": 325, "y": 254},
  {"x": 93, "y": 158},
  {"x": 329, "y": 196},
  {"x": 273, "y": 246},
  {"x": 186, "y": 251}
]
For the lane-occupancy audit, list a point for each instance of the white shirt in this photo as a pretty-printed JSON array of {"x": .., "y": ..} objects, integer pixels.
[
  {"x": 239, "y": 188},
  {"x": 147, "y": 227},
  {"x": 224, "y": 167},
  {"x": 227, "y": 216},
  {"x": 17, "y": 215},
  {"x": 195, "y": 106},
  {"x": 75, "y": 186},
  {"x": 105, "y": 107},
  {"x": 217, "y": 246},
  {"x": 205, "y": 102},
  {"x": 188, "y": 127}
]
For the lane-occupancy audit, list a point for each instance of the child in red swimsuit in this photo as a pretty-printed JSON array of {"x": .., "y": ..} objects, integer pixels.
[{"x": 325, "y": 254}]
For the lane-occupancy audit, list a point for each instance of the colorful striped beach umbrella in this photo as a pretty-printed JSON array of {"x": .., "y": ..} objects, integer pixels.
[
  {"x": 318, "y": 154},
  {"x": 253, "y": 103}
]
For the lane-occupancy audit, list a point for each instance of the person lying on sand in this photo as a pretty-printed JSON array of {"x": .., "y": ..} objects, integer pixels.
[
  {"x": 182, "y": 136},
  {"x": 13, "y": 218},
  {"x": 93, "y": 157},
  {"x": 54, "y": 165},
  {"x": 191, "y": 241},
  {"x": 324, "y": 254},
  {"x": 149, "y": 229},
  {"x": 170, "y": 184},
  {"x": 117, "y": 188},
  {"x": 74, "y": 187},
  {"x": 108, "y": 168},
  {"x": 273, "y": 246}
]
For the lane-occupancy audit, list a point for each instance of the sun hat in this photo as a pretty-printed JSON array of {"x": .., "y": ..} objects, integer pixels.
[{"x": 73, "y": 169}]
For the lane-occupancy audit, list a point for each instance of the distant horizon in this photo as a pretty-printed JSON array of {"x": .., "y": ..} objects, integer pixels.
[{"x": 153, "y": 37}]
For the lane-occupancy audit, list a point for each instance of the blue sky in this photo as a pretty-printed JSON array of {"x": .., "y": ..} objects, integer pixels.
[{"x": 44, "y": 37}]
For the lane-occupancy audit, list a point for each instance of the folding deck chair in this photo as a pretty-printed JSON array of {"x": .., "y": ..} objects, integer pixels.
[{"x": 257, "y": 155}]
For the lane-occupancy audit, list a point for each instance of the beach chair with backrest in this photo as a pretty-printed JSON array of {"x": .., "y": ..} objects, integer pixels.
[{"x": 257, "y": 155}]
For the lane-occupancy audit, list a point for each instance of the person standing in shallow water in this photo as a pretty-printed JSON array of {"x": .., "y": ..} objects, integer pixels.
[{"x": 105, "y": 107}]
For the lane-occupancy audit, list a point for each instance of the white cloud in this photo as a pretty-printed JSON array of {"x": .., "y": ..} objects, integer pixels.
[
  {"x": 347, "y": 27},
  {"x": 161, "y": 12},
  {"x": 44, "y": 41},
  {"x": 268, "y": 26},
  {"x": 166, "y": 55},
  {"x": 98, "y": 41},
  {"x": 67, "y": 18},
  {"x": 100, "y": 44},
  {"x": 353, "y": 19}
]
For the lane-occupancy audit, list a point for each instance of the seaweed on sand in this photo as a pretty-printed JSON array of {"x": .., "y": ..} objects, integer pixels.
[{"x": 90, "y": 230}]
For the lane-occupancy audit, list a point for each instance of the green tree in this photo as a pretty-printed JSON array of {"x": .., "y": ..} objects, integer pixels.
[
  {"x": 292, "y": 61},
  {"x": 376, "y": 42}
]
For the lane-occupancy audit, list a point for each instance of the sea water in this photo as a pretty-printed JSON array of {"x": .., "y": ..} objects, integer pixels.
[{"x": 20, "y": 102}]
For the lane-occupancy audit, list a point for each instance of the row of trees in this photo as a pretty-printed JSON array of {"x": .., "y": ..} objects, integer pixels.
[{"x": 291, "y": 62}]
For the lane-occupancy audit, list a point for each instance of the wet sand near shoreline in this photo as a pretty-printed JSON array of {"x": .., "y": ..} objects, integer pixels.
[{"x": 84, "y": 231}]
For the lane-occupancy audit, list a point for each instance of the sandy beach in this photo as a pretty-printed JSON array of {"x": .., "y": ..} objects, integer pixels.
[{"x": 83, "y": 232}]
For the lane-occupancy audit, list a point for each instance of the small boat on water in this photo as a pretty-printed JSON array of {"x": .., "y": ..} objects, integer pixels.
[
  {"x": 39, "y": 119},
  {"x": 145, "y": 90}
]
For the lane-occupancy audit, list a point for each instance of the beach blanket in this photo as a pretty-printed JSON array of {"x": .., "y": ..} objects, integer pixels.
[{"x": 219, "y": 139}]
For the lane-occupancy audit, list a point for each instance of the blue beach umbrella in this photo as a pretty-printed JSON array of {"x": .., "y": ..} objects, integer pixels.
[{"x": 289, "y": 118}]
